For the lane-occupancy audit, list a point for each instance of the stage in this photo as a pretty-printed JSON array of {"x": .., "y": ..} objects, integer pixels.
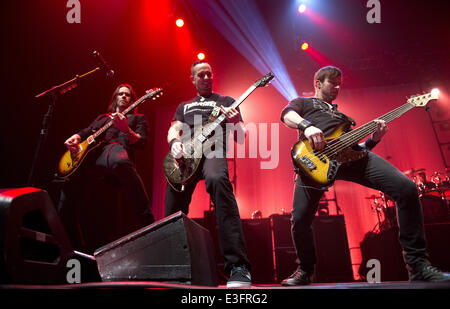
[{"x": 124, "y": 285}]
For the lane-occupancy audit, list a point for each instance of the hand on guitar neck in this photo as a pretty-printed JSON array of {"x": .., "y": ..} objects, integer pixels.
[
  {"x": 381, "y": 130},
  {"x": 231, "y": 113}
]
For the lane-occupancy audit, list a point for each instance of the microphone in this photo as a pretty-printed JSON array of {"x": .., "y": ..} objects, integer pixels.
[{"x": 103, "y": 64}]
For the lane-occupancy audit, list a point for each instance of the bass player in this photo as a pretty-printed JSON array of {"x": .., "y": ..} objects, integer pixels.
[{"x": 316, "y": 118}]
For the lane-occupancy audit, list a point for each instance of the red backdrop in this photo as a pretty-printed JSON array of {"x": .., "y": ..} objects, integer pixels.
[{"x": 409, "y": 143}]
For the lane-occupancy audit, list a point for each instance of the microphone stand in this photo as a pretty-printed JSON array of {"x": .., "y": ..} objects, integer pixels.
[{"x": 54, "y": 94}]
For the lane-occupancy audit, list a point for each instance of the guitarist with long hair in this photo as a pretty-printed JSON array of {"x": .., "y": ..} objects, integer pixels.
[
  {"x": 115, "y": 156},
  {"x": 214, "y": 170},
  {"x": 316, "y": 118}
]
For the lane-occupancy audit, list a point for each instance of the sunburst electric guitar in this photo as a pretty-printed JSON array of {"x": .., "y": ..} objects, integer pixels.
[
  {"x": 322, "y": 166},
  {"x": 70, "y": 161},
  {"x": 179, "y": 171}
]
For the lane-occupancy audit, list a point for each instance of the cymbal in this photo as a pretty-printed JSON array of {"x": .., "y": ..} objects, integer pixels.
[{"x": 413, "y": 171}]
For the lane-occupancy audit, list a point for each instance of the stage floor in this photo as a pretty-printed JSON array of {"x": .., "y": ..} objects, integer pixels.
[{"x": 161, "y": 285}]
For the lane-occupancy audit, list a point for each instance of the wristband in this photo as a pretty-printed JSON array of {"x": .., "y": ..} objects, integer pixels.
[
  {"x": 304, "y": 124},
  {"x": 370, "y": 143},
  {"x": 172, "y": 141}
]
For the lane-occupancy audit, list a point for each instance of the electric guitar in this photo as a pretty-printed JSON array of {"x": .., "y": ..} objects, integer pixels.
[
  {"x": 179, "y": 171},
  {"x": 70, "y": 161},
  {"x": 322, "y": 166}
]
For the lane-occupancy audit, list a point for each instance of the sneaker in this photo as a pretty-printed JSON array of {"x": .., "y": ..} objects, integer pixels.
[
  {"x": 428, "y": 273},
  {"x": 239, "y": 277},
  {"x": 299, "y": 277}
]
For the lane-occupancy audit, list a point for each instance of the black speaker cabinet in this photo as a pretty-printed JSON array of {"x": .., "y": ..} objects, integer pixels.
[
  {"x": 281, "y": 225},
  {"x": 285, "y": 254},
  {"x": 385, "y": 247},
  {"x": 332, "y": 251},
  {"x": 174, "y": 249},
  {"x": 33, "y": 241},
  {"x": 438, "y": 244},
  {"x": 258, "y": 239}
]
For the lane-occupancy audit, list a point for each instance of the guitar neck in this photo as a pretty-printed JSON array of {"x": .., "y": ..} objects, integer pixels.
[
  {"x": 126, "y": 111},
  {"x": 354, "y": 136},
  {"x": 235, "y": 104}
]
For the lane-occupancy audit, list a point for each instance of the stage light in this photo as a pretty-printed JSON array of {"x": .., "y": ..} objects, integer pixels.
[
  {"x": 302, "y": 8},
  {"x": 304, "y": 46},
  {"x": 201, "y": 56},
  {"x": 435, "y": 92},
  {"x": 241, "y": 23},
  {"x": 179, "y": 22}
]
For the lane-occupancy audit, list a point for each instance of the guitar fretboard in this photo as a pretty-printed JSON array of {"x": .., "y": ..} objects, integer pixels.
[
  {"x": 222, "y": 117},
  {"x": 127, "y": 110},
  {"x": 350, "y": 138}
]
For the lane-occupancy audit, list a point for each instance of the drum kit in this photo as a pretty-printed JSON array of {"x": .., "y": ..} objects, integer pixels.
[{"x": 434, "y": 194}]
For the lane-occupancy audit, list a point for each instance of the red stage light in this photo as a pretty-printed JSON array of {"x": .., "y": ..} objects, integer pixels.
[
  {"x": 302, "y": 8},
  {"x": 179, "y": 22},
  {"x": 201, "y": 56},
  {"x": 304, "y": 46}
]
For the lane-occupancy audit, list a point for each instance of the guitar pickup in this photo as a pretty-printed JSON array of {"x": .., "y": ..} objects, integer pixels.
[{"x": 307, "y": 163}]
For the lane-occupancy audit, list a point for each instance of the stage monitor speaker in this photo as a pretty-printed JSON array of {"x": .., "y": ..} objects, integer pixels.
[
  {"x": 258, "y": 239},
  {"x": 33, "y": 241},
  {"x": 174, "y": 249},
  {"x": 332, "y": 251}
]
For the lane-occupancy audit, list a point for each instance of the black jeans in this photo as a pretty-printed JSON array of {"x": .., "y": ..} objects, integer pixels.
[
  {"x": 374, "y": 172},
  {"x": 109, "y": 160},
  {"x": 218, "y": 185}
]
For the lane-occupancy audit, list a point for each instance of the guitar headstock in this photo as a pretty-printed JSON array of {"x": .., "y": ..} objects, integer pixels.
[
  {"x": 153, "y": 93},
  {"x": 422, "y": 100},
  {"x": 264, "y": 80}
]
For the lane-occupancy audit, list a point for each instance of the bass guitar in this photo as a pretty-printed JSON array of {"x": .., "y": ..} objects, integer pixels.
[
  {"x": 322, "y": 166},
  {"x": 179, "y": 171},
  {"x": 71, "y": 161}
]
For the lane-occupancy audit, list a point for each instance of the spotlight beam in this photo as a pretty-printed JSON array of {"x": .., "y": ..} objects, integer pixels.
[{"x": 243, "y": 26}]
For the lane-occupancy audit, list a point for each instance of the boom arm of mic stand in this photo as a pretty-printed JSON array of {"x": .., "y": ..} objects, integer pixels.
[{"x": 67, "y": 86}]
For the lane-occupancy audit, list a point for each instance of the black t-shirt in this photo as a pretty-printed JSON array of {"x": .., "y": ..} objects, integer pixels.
[
  {"x": 137, "y": 122},
  {"x": 318, "y": 113},
  {"x": 200, "y": 106},
  {"x": 203, "y": 106}
]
